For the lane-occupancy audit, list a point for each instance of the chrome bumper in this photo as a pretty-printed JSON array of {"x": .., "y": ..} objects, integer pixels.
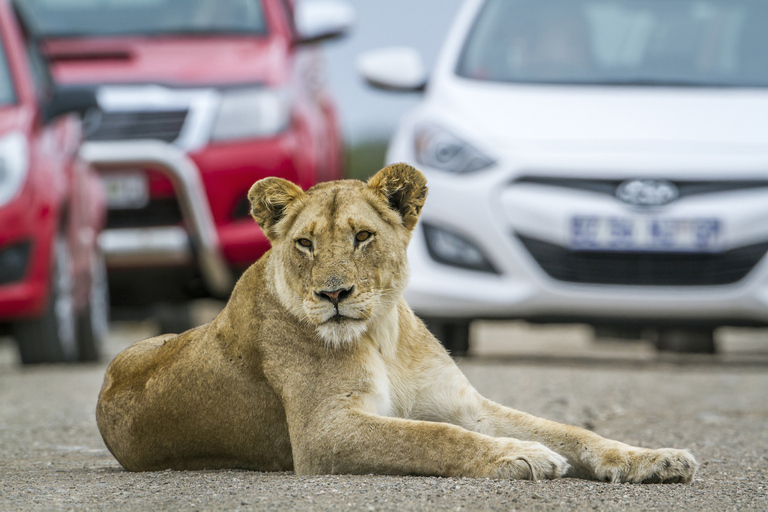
[{"x": 170, "y": 244}]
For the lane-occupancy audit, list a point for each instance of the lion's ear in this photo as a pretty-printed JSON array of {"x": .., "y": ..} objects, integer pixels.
[
  {"x": 269, "y": 199},
  {"x": 404, "y": 188}
]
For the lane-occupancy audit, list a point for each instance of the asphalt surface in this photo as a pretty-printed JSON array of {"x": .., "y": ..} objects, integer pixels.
[{"x": 52, "y": 456}]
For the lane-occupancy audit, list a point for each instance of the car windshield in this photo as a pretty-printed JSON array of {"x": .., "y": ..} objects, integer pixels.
[
  {"x": 620, "y": 42},
  {"x": 82, "y": 18}
]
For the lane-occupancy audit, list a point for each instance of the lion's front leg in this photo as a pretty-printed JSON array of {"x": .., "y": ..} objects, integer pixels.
[
  {"x": 449, "y": 397},
  {"x": 357, "y": 442},
  {"x": 593, "y": 456}
]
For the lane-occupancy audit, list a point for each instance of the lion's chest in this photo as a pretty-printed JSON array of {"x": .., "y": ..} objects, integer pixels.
[{"x": 378, "y": 399}]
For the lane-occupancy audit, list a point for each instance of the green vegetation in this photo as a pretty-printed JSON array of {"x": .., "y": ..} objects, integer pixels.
[{"x": 365, "y": 158}]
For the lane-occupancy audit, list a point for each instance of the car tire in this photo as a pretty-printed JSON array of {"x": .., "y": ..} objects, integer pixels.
[
  {"x": 453, "y": 334},
  {"x": 174, "y": 318},
  {"x": 51, "y": 337},
  {"x": 93, "y": 321},
  {"x": 691, "y": 341}
]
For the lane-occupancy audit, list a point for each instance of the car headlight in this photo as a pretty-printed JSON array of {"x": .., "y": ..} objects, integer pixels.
[
  {"x": 438, "y": 148},
  {"x": 450, "y": 248},
  {"x": 245, "y": 113},
  {"x": 14, "y": 163}
]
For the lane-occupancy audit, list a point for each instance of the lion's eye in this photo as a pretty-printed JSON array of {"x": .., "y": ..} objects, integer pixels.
[
  {"x": 363, "y": 236},
  {"x": 304, "y": 242}
]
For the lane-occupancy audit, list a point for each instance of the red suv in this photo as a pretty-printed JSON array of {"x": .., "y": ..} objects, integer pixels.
[
  {"x": 53, "y": 295},
  {"x": 199, "y": 99}
]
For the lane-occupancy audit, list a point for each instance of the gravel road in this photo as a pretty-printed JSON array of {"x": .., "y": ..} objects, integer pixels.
[{"x": 52, "y": 457}]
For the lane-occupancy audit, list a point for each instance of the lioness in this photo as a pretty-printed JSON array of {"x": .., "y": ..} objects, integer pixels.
[{"x": 317, "y": 365}]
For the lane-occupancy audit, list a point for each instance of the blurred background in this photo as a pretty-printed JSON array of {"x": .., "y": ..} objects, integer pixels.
[
  {"x": 597, "y": 170},
  {"x": 369, "y": 116}
]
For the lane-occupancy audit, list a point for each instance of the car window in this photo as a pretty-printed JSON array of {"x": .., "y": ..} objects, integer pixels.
[
  {"x": 633, "y": 42},
  {"x": 7, "y": 93},
  {"x": 73, "y": 18}
]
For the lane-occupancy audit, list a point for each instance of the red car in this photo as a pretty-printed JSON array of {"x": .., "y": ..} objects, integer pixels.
[
  {"x": 53, "y": 295},
  {"x": 199, "y": 99}
]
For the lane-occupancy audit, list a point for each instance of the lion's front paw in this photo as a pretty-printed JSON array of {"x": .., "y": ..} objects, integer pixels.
[
  {"x": 638, "y": 465},
  {"x": 529, "y": 461}
]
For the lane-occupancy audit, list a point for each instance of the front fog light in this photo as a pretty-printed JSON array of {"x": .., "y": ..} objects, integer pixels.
[
  {"x": 13, "y": 262},
  {"x": 450, "y": 248}
]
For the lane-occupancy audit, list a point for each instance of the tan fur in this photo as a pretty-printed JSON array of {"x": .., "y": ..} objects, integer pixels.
[{"x": 275, "y": 382}]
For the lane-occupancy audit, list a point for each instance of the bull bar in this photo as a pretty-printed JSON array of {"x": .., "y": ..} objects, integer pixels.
[{"x": 167, "y": 244}]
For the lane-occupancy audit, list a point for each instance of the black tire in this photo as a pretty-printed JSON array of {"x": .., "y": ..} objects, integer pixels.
[
  {"x": 690, "y": 341},
  {"x": 174, "y": 318},
  {"x": 93, "y": 321},
  {"x": 51, "y": 338},
  {"x": 619, "y": 333},
  {"x": 453, "y": 334}
]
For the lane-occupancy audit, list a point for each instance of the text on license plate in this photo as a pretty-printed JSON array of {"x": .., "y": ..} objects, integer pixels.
[
  {"x": 644, "y": 234},
  {"x": 126, "y": 189}
]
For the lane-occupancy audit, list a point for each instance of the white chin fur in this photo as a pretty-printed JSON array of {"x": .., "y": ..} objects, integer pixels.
[{"x": 338, "y": 335}]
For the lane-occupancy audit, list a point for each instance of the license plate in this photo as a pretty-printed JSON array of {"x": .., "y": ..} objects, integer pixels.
[
  {"x": 645, "y": 234},
  {"x": 126, "y": 190}
]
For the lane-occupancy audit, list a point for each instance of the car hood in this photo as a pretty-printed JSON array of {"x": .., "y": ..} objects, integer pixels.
[
  {"x": 602, "y": 118},
  {"x": 210, "y": 60}
]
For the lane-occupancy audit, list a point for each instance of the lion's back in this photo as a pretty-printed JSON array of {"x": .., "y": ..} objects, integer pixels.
[{"x": 175, "y": 401}]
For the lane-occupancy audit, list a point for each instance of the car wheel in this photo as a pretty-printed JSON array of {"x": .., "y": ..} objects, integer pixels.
[
  {"x": 93, "y": 322},
  {"x": 174, "y": 318},
  {"x": 701, "y": 341},
  {"x": 50, "y": 338},
  {"x": 453, "y": 334}
]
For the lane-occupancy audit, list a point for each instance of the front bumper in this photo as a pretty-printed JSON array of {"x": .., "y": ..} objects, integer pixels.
[
  {"x": 23, "y": 294},
  {"x": 493, "y": 212},
  {"x": 166, "y": 245},
  {"x": 28, "y": 225}
]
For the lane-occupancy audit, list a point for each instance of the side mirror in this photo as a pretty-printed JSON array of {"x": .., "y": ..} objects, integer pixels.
[
  {"x": 393, "y": 69},
  {"x": 65, "y": 100},
  {"x": 321, "y": 20}
]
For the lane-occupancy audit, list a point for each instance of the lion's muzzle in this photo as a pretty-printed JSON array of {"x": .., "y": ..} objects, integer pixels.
[{"x": 335, "y": 296}]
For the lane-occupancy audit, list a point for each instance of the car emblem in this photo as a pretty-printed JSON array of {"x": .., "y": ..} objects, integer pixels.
[{"x": 647, "y": 192}]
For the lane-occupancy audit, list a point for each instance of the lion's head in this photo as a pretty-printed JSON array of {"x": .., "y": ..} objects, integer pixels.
[{"x": 338, "y": 257}]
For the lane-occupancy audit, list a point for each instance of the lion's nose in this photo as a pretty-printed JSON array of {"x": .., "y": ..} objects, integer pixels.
[{"x": 335, "y": 296}]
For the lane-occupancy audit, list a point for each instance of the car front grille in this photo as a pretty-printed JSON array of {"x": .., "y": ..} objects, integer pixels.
[
  {"x": 644, "y": 268},
  {"x": 159, "y": 212},
  {"x": 686, "y": 188},
  {"x": 163, "y": 125},
  {"x": 242, "y": 209}
]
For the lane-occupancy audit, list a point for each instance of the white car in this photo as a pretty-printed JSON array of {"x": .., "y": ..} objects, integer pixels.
[{"x": 591, "y": 161}]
